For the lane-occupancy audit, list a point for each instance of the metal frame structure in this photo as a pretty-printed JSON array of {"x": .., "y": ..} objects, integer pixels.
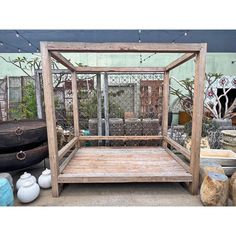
[{"x": 54, "y": 49}]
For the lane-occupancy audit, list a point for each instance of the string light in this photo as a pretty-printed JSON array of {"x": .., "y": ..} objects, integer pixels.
[
  {"x": 1, "y": 44},
  {"x": 180, "y": 36},
  {"x": 19, "y": 50},
  {"x": 29, "y": 43}
]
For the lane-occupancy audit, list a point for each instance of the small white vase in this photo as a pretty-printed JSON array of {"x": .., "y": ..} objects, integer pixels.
[
  {"x": 23, "y": 178},
  {"x": 28, "y": 192},
  {"x": 44, "y": 179}
]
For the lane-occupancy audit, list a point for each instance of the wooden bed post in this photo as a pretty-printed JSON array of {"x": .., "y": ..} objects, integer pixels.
[
  {"x": 197, "y": 118},
  {"x": 165, "y": 108},
  {"x": 75, "y": 105},
  {"x": 50, "y": 117}
]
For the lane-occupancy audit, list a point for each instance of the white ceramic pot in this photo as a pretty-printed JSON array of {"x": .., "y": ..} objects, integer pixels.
[
  {"x": 44, "y": 179},
  {"x": 28, "y": 192},
  {"x": 23, "y": 178}
]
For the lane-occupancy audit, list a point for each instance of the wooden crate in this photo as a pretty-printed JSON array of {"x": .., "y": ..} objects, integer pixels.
[{"x": 226, "y": 158}]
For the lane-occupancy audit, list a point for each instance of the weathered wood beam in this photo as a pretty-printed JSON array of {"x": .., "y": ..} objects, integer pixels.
[
  {"x": 67, "y": 160},
  {"x": 50, "y": 118},
  {"x": 181, "y": 162},
  {"x": 67, "y": 147},
  {"x": 124, "y": 138},
  {"x": 180, "y": 60},
  {"x": 199, "y": 79},
  {"x": 123, "y": 47},
  {"x": 165, "y": 107},
  {"x": 75, "y": 104},
  {"x": 65, "y": 62},
  {"x": 178, "y": 147},
  {"x": 88, "y": 69}
]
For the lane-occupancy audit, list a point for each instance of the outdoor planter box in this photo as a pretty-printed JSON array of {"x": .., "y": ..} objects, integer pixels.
[{"x": 226, "y": 158}]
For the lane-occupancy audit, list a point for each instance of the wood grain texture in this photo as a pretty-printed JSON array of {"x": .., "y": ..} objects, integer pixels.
[
  {"x": 75, "y": 105},
  {"x": 67, "y": 147},
  {"x": 123, "y": 47},
  {"x": 65, "y": 62},
  {"x": 87, "y": 69},
  {"x": 67, "y": 160},
  {"x": 178, "y": 147},
  {"x": 50, "y": 117},
  {"x": 124, "y": 164},
  {"x": 124, "y": 138},
  {"x": 199, "y": 79},
  {"x": 165, "y": 105},
  {"x": 180, "y": 60}
]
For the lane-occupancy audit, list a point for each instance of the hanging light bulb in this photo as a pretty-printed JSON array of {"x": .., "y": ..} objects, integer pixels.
[
  {"x": 19, "y": 50},
  {"x": 17, "y": 34},
  {"x": 30, "y": 44},
  {"x": 185, "y": 34},
  {"x": 37, "y": 50},
  {"x": 1, "y": 43}
]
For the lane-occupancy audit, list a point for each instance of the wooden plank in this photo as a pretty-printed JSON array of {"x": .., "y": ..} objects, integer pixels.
[
  {"x": 123, "y": 47},
  {"x": 50, "y": 118},
  {"x": 77, "y": 178},
  {"x": 165, "y": 109},
  {"x": 65, "y": 62},
  {"x": 180, "y": 60},
  {"x": 75, "y": 104},
  {"x": 67, "y": 160},
  {"x": 178, "y": 147},
  {"x": 124, "y": 138},
  {"x": 112, "y": 164},
  {"x": 106, "y": 107},
  {"x": 87, "y": 69},
  {"x": 99, "y": 108},
  {"x": 197, "y": 117},
  {"x": 67, "y": 147},
  {"x": 182, "y": 163}
]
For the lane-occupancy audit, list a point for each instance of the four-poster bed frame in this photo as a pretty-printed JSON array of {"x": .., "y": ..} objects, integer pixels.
[{"x": 123, "y": 164}]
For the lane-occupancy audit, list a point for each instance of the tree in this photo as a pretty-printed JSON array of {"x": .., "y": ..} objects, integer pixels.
[{"x": 186, "y": 94}]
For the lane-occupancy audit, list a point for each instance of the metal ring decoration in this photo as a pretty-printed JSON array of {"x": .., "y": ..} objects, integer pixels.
[
  {"x": 21, "y": 155},
  {"x": 19, "y": 131}
]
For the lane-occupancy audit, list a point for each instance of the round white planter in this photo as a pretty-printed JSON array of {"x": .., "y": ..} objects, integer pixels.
[
  {"x": 28, "y": 192},
  {"x": 44, "y": 179},
  {"x": 24, "y": 178}
]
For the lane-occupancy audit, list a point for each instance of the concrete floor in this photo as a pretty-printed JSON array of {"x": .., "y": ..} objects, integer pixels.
[{"x": 127, "y": 194}]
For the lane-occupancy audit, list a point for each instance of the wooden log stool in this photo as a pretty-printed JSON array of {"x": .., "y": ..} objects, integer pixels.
[
  {"x": 206, "y": 167},
  {"x": 214, "y": 190}
]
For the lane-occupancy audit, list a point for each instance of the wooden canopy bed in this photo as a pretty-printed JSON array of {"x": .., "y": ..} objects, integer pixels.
[{"x": 123, "y": 164}]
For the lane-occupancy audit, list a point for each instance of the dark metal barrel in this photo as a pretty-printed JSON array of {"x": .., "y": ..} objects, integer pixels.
[{"x": 23, "y": 134}]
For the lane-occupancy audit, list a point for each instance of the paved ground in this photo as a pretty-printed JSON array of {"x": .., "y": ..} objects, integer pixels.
[{"x": 128, "y": 194}]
